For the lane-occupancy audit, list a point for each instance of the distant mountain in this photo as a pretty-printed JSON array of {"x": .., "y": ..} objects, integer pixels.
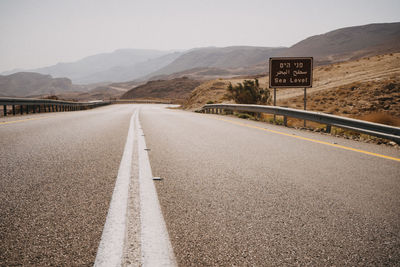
[
  {"x": 349, "y": 43},
  {"x": 123, "y": 73},
  {"x": 119, "y": 65},
  {"x": 335, "y": 46},
  {"x": 23, "y": 84},
  {"x": 219, "y": 58},
  {"x": 141, "y": 65}
]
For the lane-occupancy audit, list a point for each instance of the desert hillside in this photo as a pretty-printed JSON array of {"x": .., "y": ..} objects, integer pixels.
[
  {"x": 213, "y": 91},
  {"x": 355, "y": 88},
  {"x": 377, "y": 100},
  {"x": 174, "y": 89},
  {"x": 336, "y": 46},
  {"x": 349, "y": 43}
]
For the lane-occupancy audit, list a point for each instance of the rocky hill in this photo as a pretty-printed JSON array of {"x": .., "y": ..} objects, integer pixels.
[
  {"x": 349, "y": 43},
  {"x": 335, "y": 46},
  {"x": 179, "y": 88},
  {"x": 23, "y": 84}
]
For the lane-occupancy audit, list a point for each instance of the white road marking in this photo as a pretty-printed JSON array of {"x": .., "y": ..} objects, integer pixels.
[
  {"x": 156, "y": 247},
  {"x": 111, "y": 245}
]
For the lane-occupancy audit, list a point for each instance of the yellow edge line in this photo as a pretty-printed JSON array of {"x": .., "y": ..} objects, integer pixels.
[
  {"x": 31, "y": 119},
  {"x": 312, "y": 140}
]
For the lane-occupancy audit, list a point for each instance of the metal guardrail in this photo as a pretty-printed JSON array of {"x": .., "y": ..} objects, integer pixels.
[
  {"x": 370, "y": 128},
  {"x": 140, "y": 101},
  {"x": 33, "y": 105}
]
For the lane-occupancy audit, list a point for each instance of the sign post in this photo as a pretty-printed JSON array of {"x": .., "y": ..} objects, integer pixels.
[
  {"x": 291, "y": 72},
  {"x": 274, "y": 104},
  {"x": 305, "y": 103}
]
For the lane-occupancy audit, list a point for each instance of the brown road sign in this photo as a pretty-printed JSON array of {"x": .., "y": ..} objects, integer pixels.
[{"x": 290, "y": 72}]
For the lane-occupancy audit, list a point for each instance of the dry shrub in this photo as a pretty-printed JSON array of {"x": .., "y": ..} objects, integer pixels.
[{"x": 383, "y": 118}]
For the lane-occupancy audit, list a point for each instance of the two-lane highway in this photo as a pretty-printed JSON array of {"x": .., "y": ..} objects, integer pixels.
[{"x": 233, "y": 192}]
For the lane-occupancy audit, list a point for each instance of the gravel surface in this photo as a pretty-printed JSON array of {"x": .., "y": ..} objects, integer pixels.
[
  {"x": 238, "y": 196},
  {"x": 57, "y": 175}
]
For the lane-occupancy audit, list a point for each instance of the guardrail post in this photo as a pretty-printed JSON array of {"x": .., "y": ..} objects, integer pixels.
[
  {"x": 328, "y": 129},
  {"x": 285, "y": 121},
  {"x": 5, "y": 110}
]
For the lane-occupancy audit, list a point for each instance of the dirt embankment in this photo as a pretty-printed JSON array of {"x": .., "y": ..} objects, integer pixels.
[
  {"x": 174, "y": 89},
  {"x": 208, "y": 92},
  {"x": 377, "y": 101},
  {"x": 367, "y": 88}
]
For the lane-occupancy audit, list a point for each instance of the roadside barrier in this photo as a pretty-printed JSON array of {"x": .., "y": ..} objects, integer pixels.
[
  {"x": 370, "y": 128},
  {"x": 13, "y": 106}
]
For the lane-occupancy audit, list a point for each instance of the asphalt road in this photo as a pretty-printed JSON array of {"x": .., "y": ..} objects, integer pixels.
[
  {"x": 236, "y": 194},
  {"x": 57, "y": 174},
  {"x": 233, "y": 192}
]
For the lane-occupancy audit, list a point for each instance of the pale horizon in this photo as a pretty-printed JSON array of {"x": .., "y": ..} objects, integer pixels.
[{"x": 38, "y": 34}]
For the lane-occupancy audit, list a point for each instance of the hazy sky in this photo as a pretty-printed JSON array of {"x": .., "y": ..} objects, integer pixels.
[{"x": 37, "y": 33}]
